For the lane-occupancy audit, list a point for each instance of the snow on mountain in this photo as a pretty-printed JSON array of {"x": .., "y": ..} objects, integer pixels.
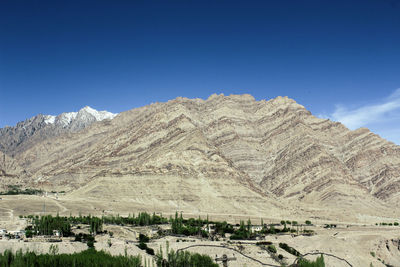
[
  {"x": 49, "y": 119},
  {"x": 18, "y": 138},
  {"x": 65, "y": 118},
  {"x": 84, "y": 116},
  {"x": 99, "y": 115}
]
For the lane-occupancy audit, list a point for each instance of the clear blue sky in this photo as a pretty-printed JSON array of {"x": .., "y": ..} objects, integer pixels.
[{"x": 338, "y": 58}]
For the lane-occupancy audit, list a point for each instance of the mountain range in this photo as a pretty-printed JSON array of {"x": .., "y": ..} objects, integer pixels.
[
  {"x": 229, "y": 154},
  {"x": 41, "y": 127}
]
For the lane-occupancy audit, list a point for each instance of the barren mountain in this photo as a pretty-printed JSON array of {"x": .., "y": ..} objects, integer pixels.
[
  {"x": 8, "y": 166},
  {"x": 25, "y": 134},
  {"x": 229, "y": 153}
]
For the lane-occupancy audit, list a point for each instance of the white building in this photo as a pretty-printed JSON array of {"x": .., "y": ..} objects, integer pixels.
[
  {"x": 56, "y": 233},
  {"x": 256, "y": 228}
]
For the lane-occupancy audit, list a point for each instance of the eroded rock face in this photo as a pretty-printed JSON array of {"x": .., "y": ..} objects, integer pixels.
[
  {"x": 276, "y": 148},
  {"x": 10, "y": 172},
  {"x": 15, "y": 140},
  {"x": 8, "y": 166},
  {"x": 12, "y": 137}
]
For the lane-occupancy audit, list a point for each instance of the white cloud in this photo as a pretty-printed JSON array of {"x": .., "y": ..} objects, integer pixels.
[{"x": 382, "y": 117}]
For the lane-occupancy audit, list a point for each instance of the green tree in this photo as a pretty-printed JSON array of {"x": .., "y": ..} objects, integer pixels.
[
  {"x": 248, "y": 228},
  {"x": 183, "y": 259},
  {"x": 88, "y": 257},
  {"x": 319, "y": 262}
]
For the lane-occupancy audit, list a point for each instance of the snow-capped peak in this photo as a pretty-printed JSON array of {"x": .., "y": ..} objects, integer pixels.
[
  {"x": 66, "y": 118},
  {"x": 82, "y": 115},
  {"x": 49, "y": 119},
  {"x": 99, "y": 115},
  {"x": 89, "y": 109}
]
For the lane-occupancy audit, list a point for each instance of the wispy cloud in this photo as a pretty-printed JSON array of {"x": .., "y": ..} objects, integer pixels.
[{"x": 382, "y": 117}]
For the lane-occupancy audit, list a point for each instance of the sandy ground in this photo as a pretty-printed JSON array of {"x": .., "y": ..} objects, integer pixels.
[{"x": 13, "y": 206}]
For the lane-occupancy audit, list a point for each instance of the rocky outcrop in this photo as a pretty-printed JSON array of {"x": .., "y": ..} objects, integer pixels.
[{"x": 14, "y": 140}]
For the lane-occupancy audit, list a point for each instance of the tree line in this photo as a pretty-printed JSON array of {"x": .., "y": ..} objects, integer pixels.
[
  {"x": 16, "y": 190},
  {"x": 190, "y": 227},
  {"x": 182, "y": 259},
  {"x": 45, "y": 225},
  {"x": 91, "y": 257},
  {"x": 88, "y": 257},
  {"x": 142, "y": 219}
]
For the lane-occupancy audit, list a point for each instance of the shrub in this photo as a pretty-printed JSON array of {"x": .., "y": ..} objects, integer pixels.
[
  {"x": 264, "y": 243},
  {"x": 319, "y": 262},
  {"x": 272, "y": 248},
  {"x": 90, "y": 244},
  {"x": 290, "y": 250},
  {"x": 28, "y": 233},
  {"x": 272, "y": 230},
  {"x": 308, "y": 222},
  {"x": 150, "y": 251},
  {"x": 88, "y": 237},
  {"x": 143, "y": 238},
  {"x": 142, "y": 246},
  {"x": 396, "y": 224},
  {"x": 308, "y": 232},
  {"x": 183, "y": 258},
  {"x": 238, "y": 236}
]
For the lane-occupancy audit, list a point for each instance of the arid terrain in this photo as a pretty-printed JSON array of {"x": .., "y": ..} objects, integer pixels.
[
  {"x": 358, "y": 244},
  {"x": 228, "y": 157}
]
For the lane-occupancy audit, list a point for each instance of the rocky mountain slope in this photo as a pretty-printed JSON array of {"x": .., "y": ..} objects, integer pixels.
[
  {"x": 230, "y": 149},
  {"x": 8, "y": 166},
  {"x": 27, "y": 133}
]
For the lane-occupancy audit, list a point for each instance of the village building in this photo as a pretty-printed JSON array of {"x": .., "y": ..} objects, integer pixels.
[
  {"x": 256, "y": 228},
  {"x": 56, "y": 233}
]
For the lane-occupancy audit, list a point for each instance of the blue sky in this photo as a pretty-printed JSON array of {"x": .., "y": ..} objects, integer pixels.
[{"x": 340, "y": 59}]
